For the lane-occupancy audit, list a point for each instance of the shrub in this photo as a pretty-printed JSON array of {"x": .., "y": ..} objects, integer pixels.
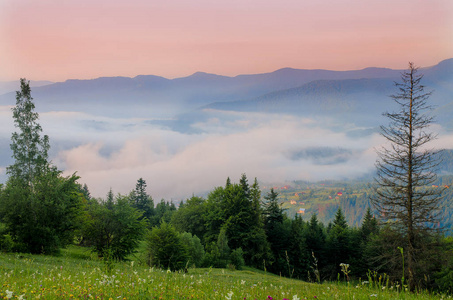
[
  {"x": 194, "y": 248},
  {"x": 237, "y": 259},
  {"x": 165, "y": 248}
]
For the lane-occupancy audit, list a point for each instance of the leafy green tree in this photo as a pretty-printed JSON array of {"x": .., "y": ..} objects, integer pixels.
[
  {"x": 215, "y": 214},
  {"x": 165, "y": 248},
  {"x": 114, "y": 227},
  {"x": 223, "y": 248},
  {"x": 38, "y": 206},
  {"x": 190, "y": 217},
  {"x": 237, "y": 258},
  {"x": 219, "y": 252},
  {"x": 194, "y": 248},
  {"x": 45, "y": 220},
  {"x": 163, "y": 212},
  {"x": 30, "y": 150}
]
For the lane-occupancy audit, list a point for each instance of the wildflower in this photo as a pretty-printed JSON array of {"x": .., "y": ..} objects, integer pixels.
[
  {"x": 365, "y": 282},
  {"x": 373, "y": 295},
  {"x": 229, "y": 295},
  {"x": 21, "y": 297},
  {"x": 9, "y": 294},
  {"x": 168, "y": 271},
  {"x": 295, "y": 297}
]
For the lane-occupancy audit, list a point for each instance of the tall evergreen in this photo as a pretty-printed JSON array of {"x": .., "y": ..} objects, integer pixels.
[
  {"x": 338, "y": 243},
  {"x": 298, "y": 250},
  {"x": 369, "y": 225},
  {"x": 273, "y": 213},
  {"x": 39, "y": 208},
  {"x": 30, "y": 149},
  {"x": 315, "y": 240},
  {"x": 406, "y": 171},
  {"x": 141, "y": 200},
  {"x": 110, "y": 201}
]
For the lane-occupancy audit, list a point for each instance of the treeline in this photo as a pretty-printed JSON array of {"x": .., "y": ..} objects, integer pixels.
[{"x": 235, "y": 226}]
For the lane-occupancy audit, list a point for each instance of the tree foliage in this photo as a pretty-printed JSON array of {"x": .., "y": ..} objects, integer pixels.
[
  {"x": 45, "y": 220},
  {"x": 30, "y": 149},
  {"x": 39, "y": 207},
  {"x": 113, "y": 227},
  {"x": 166, "y": 249},
  {"x": 141, "y": 200}
]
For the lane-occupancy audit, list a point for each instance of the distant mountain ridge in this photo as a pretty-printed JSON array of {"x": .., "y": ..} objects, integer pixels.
[
  {"x": 12, "y": 86},
  {"x": 287, "y": 90}
]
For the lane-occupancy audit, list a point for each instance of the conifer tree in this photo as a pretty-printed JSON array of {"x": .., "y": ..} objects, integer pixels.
[
  {"x": 338, "y": 243},
  {"x": 30, "y": 149},
  {"x": 369, "y": 225},
  {"x": 141, "y": 200},
  {"x": 405, "y": 169}
]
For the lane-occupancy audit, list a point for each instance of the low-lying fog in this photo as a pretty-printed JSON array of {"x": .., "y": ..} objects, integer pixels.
[{"x": 114, "y": 152}]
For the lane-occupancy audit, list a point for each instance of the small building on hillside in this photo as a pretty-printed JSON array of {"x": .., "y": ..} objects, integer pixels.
[{"x": 301, "y": 211}]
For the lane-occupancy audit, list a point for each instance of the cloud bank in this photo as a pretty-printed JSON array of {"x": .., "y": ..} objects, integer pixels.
[
  {"x": 177, "y": 165},
  {"x": 113, "y": 153}
]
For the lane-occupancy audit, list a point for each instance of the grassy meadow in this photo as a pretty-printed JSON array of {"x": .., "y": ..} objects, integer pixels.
[{"x": 76, "y": 274}]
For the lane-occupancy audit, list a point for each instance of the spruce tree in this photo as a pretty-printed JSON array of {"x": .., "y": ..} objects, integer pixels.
[
  {"x": 405, "y": 170},
  {"x": 141, "y": 200},
  {"x": 338, "y": 243}
]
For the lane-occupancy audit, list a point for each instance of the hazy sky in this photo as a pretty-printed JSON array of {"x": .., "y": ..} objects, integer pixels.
[{"x": 58, "y": 40}]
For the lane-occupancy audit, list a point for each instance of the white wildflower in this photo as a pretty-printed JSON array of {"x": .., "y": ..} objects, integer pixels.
[
  {"x": 228, "y": 297},
  {"x": 9, "y": 294}
]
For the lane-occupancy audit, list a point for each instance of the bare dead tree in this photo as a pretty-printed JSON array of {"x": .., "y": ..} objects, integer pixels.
[{"x": 404, "y": 195}]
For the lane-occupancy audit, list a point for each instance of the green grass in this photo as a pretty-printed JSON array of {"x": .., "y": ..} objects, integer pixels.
[{"x": 77, "y": 274}]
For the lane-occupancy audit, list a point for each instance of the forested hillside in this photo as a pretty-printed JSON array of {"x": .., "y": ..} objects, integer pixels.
[{"x": 353, "y": 197}]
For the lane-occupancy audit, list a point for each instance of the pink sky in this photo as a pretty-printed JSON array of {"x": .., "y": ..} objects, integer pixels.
[{"x": 58, "y": 40}]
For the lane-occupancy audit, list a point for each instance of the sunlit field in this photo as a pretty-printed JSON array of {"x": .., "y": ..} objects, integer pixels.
[{"x": 78, "y": 275}]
